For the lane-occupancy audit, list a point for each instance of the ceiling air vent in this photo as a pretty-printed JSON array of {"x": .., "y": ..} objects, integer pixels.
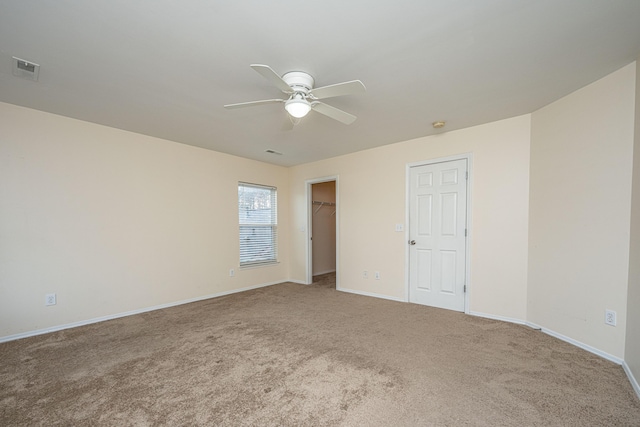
[{"x": 25, "y": 69}]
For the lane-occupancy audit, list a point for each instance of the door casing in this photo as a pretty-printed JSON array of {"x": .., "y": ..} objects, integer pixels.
[{"x": 308, "y": 228}]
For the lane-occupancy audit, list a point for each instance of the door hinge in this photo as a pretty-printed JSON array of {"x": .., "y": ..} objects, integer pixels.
[
  {"x": 465, "y": 232},
  {"x": 466, "y": 175},
  {"x": 465, "y": 289}
]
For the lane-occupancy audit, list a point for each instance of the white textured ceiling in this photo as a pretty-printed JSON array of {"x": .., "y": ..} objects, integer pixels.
[{"x": 165, "y": 68}]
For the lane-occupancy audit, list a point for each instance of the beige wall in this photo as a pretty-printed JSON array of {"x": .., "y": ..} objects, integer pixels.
[
  {"x": 581, "y": 148},
  {"x": 372, "y": 200},
  {"x": 324, "y": 228},
  {"x": 632, "y": 347},
  {"x": 114, "y": 221}
]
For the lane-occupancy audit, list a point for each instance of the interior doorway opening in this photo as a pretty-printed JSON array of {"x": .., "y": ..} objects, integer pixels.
[{"x": 322, "y": 260}]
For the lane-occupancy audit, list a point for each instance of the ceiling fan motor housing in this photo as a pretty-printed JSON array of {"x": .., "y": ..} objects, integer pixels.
[{"x": 299, "y": 81}]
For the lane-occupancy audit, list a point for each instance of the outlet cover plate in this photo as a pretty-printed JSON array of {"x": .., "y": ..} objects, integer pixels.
[
  {"x": 610, "y": 317},
  {"x": 50, "y": 299}
]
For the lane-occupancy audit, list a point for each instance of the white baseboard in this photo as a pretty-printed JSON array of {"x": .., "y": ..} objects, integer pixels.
[
  {"x": 495, "y": 317},
  {"x": 128, "y": 313},
  {"x": 369, "y": 294},
  {"x": 632, "y": 379},
  {"x": 299, "y": 282},
  {"x": 577, "y": 343}
]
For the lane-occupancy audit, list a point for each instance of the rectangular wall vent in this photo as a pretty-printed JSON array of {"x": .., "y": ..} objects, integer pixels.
[{"x": 25, "y": 69}]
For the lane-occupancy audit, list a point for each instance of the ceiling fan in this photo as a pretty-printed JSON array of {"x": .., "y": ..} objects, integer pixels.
[{"x": 302, "y": 97}]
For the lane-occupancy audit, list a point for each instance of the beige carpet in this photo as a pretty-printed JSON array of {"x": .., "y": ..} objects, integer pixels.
[
  {"x": 325, "y": 280},
  {"x": 295, "y": 355}
]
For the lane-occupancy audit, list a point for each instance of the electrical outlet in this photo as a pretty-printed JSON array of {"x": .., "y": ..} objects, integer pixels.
[
  {"x": 50, "y": 299},
  {"x": 232, "y": 272},
  {"x": 610, "y": 317},
  {"x": 377, "y": 275},
  {"x": 365, "y": 274}
]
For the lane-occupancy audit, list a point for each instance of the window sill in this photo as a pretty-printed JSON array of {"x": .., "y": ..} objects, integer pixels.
[{"x": 258, "y": 265}]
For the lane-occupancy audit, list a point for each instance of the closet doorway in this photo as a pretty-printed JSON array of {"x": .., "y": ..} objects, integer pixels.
[{"x": 322, "y": 264}]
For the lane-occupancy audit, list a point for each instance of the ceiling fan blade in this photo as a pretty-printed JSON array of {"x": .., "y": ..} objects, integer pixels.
[
  {"x": 268, "y": 73},
  {"x": 339, "y": 89},
  {"x": 334, "y": 113},
  {"x": 253, "y": 103}
]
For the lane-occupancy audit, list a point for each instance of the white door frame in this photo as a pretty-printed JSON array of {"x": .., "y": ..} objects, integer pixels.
[
  {"x": 309, "y": 247},
  {"x": 407, "y": 273}
]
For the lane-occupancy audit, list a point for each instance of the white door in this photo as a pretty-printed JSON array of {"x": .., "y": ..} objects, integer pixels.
[{"x": 437, "y": 234}]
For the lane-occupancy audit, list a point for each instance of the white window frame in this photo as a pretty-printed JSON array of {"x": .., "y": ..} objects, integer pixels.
[{"x": 263, "y": 249}]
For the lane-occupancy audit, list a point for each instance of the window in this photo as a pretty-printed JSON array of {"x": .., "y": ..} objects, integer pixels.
[{"x": 258, "y": 220}]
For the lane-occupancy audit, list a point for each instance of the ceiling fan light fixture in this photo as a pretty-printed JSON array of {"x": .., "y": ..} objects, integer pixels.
[{"x": 298, "y": 107}]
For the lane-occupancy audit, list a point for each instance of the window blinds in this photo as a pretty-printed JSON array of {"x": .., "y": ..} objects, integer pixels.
[{"x": 258, "y": 220}]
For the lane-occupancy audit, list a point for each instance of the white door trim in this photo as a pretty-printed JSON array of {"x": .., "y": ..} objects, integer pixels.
[
  {"x": 308, "y": 246},
  {"x": 407, "y": 273}
]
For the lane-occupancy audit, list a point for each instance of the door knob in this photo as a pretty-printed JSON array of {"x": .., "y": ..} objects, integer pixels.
[{"x": 412, "y": 242}]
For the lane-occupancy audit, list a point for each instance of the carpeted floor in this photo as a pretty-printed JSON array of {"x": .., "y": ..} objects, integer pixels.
[
  {"x": 327, "y": 280},
  {"x": 294, "y": 355}
]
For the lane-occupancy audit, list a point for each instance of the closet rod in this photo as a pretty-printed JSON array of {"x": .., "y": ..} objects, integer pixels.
[{"x": 315, "y": 202}]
